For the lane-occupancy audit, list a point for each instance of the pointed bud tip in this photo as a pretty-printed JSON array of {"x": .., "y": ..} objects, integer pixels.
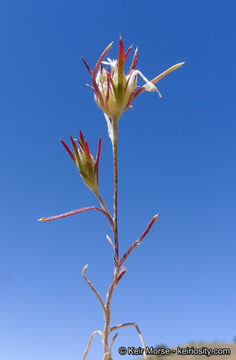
[
  {"x": 81, "y": 135},
  {"x": 41, "y": 219},
  {"x": 84, "y": 269},
  {"x": 180, "y": 64},
  {"x": 155, "y": 216}
]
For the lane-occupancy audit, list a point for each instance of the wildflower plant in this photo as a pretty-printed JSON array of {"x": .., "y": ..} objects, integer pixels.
[{"x": 113, "y": 91}]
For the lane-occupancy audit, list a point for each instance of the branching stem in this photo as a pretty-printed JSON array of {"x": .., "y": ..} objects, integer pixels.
[
  {"x": 115, "y": 231},
  {"x": 136, "y": 327},
  {"x": 119, "y": 269},
  {"x": 90, "y": 340}
]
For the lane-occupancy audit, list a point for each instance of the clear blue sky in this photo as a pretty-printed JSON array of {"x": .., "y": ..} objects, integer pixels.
[{"x": 176, "y": 157}]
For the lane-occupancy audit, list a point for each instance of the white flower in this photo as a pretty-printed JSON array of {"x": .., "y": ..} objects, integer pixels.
[{"x": 113, "y": 89}]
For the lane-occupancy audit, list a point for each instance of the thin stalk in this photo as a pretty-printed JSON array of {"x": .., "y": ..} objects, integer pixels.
[
  {"x": 107, "y": 306},
  {"x": 115, "y": 231},
  {"x": 103, "y": 205},
  {"x": 115, "y": 146}
]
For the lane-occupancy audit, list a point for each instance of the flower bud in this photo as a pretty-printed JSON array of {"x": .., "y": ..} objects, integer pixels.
[{"x": 84, "y": 161}]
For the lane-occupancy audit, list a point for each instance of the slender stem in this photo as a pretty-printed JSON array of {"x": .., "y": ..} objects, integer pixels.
[
  {"x": 115, "y": 146},
  {"x": 90, "y": 340},
  {"x": 115, "y": 231},
  {"x": 103, "y": 205},
  {"x": 107, "y": 306},
  {"x": 112, "y": 342}
]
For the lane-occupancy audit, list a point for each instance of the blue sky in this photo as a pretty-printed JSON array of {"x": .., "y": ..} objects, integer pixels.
[{"x": 176, "y": 157}]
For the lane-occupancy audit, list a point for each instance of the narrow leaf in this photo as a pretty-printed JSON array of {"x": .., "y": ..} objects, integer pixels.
[
  {"x": 96, "y": 89},
  {"x": 76, "y": 151},
  {"x": 127, "y": 53},
  {"x": 172, "y": 68},
  {"x": 120, "y": 66},
  {"x": 85, "y": 63},
  {"x": 81, "y": 137},
  {"x": 98, "y": 155},
  {"x": 138, "y": 242},
  {"x": 134, "y": 61},
  {"x": 68, "y": 150},
  {"x": 87, "y": 154},
  {"x": 159, "y": 77},
  {"x": 78, "y": 211}
]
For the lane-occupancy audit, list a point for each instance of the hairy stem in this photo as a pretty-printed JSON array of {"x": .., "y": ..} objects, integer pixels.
[
  {"x": 108, "y": 313},
  {"x": 115, "y": 146},
  {"x": 115, "y": 231},
  {"x": 103, "y": 205}
]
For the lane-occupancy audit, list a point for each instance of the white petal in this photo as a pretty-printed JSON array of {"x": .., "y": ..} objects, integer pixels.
[{"x": 149, "y": 86}]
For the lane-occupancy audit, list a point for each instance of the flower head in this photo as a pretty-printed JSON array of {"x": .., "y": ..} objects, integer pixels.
[
  {"x": 113, "y": 89},
  {"x": 84, "y": 161}
]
